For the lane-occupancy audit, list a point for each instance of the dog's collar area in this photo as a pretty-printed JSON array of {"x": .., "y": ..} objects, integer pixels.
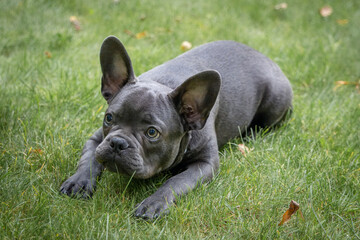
[
  {"x": 183, "y": 149},
  {"x": 187, "y": 143}
]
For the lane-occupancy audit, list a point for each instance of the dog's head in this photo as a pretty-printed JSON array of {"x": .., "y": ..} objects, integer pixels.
[{"x": 146, "y": 123}]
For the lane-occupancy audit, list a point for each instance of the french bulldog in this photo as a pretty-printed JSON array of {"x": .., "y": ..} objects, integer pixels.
[{"x": 177, "y": 115}]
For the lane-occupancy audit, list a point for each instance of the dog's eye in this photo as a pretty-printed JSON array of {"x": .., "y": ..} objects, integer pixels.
[
  {"x": 152, "y": 133},
  {"x": 108, "y": 118}
]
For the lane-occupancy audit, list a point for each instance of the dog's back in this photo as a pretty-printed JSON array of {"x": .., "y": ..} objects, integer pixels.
[{"x": 254, "y": 91}]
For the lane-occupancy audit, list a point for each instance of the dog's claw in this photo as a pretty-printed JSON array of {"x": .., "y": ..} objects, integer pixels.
[
  {"x": 152, "y": 208},
  {"x": 78, "y": 186},
  {"x": 63, "y": 191}
]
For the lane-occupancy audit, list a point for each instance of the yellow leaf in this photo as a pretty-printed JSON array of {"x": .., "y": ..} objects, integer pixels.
[
  {"x": 141, "y": 35},
  {"x": 185, "y": 46},
  {"x": 342, "y": 22}
]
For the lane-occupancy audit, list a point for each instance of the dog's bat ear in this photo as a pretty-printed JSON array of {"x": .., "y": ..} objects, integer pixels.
[
  {"x": 195, "y": 98},
  {"x": 116, "y": 67}
]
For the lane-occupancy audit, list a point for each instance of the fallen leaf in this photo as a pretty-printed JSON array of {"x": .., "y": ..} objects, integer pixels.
[
  {"x": 342, "y": 22},
  {"x": 185, "y": 46},
  {"x": 294, "y": 206},
  {"x": 48, "y": 54},
  {"x": 342, "y": 83},
  {"x": 243, "y": 149},
  {"x": 281, "y": 6},
  {"x": 141, "y": 35},
  {"x": 130, "y": 33},
  {"x": 326, "y": 11},
  {"x": 75, "y": 22},
  {"x": 36, "y": 151}
]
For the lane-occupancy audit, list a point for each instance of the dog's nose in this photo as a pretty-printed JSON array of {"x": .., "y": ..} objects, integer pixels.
[{"x": 118, "y": 143}]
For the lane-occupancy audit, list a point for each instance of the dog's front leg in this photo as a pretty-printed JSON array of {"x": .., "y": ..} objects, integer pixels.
[
  {"x": 180, "y": 184},
  {"x": 83, "y": 182}
]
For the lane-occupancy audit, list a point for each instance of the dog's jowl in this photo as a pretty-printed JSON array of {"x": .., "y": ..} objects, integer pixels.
[{"x": 177, "y": 115}]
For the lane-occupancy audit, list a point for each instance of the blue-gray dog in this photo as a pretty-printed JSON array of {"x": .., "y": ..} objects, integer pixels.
[{"x": 177, "y": 115}]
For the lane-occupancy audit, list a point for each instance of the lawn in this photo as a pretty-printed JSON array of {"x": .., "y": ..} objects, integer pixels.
[{"x": 50, "y": 103}]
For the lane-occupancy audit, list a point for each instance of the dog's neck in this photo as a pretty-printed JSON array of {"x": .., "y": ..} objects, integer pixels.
[{"x": 182, "y": 149}]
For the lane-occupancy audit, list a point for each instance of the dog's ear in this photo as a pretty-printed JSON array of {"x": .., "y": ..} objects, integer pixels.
[
  {"x": 116, "y": 67},
  {"x": 195, "y": 98}
]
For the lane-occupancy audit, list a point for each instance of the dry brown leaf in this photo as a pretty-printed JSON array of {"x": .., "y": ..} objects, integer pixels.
[
  {"x": 281, "y": 6},
  {"x": 185, "y": 45},
  {"x": 75, "y": 22},
  {"x": 342, "y": 22},
  {"x": 326, "y": 11},
  {"x": 294, "y": 206},
  {"x": 130, "y": 33},
  {"x": 36, "y": 151},
  {"x": 48, "y": 54},
  {"x": 243, "y": 149},
  {"x": 342, "y": 83}
]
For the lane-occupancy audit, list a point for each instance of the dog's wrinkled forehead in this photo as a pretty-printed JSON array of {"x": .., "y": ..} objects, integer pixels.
[{"x": 140, "y": 97}]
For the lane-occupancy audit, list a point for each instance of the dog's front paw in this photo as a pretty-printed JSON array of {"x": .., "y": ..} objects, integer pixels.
[
  {"x": 78, "y": 185},
  {"x": 152, "y": 207}
]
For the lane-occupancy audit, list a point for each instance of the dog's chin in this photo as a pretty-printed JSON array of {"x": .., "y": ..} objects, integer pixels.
[
  {"x": 129, "y": 163},
  {"x": 138, "y": 172}
]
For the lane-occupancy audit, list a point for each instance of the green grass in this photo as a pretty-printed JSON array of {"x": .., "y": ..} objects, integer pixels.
[{"x": 54, "y": 104}]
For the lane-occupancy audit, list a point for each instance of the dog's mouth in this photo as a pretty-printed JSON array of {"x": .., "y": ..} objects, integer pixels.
[{"x": 127, "y": 162}]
